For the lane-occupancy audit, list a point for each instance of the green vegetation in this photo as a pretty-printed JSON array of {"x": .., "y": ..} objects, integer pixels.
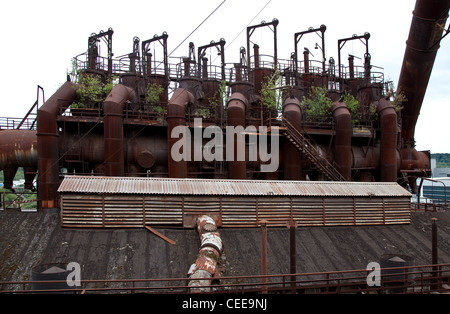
[
  {"x": 442, "y": 160},
  {"x": 19, "y": 175},
  {"x": 318, "y": 106},
  {"x": 397, "y": 98},
  {"x": 90, "y": 89},
  {"x": 353, "y": 106},
  {"x": 219, "y": 96},
  {"x": 273, "y": 94},
  {"x": 8, "y": 196},
  {"x": 270, "y": 94},
  {"x": 154, "y": 92}
]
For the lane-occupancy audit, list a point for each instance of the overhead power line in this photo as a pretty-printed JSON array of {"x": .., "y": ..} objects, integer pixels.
[
  {"x": 198, "y": 26},
  {"x": 249, "y": 23}
]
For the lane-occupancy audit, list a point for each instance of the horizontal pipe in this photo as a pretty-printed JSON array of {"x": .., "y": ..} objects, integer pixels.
[{"x": 18, "y": 148}]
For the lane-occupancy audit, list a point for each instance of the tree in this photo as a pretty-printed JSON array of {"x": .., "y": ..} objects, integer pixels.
[{"x": 318, "y": 106}]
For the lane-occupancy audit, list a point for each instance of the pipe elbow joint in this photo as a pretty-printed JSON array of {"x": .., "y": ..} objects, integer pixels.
[
  {"x": 339, "y": 108},
  {"x": 116, "y": 99},
  {"x": 385, "y": 108},
  {"x": 180, "y": 99},
  {"x": 291, "y": 104},
  {"x": 236, "y": 108},
  {"x": 237, "y": 100}
]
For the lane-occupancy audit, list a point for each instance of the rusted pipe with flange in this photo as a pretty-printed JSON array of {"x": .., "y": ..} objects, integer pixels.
[
  {"x": 236, "y": 109},
  {"x": 113, "y": 129},
  {"x": 388, "y": 141},
  {"x": 176, "y": 116},
  {"x": 48, "y": 146},
  {"x": 291, "y": 155},
  {"x": 343, "y": 139}
]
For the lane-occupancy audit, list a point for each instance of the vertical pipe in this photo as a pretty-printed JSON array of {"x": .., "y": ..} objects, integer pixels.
[
  {"x": 256, "y": 55},
  {"x": 351, "y": 66},
  {"x": 367, "y": 68},
  {"x": 187, "y": 67},
  {"x": 236, "y": 108},
  {"x": 176, "y": 116},
  {"x": 205, "y": 68},
  {"x": 434, "y": 254},
  {"x": 434, "y": 250},
  {"x": 343, "y": 140},
  {"x": 148, "y": 64},
  {"x": 264, "y": 255},
  {"x": 293, "y": 268},
  {"x": 8, "y": 177},
  {"x": 48, "y": 148},
  {"x": 388, "y": 141},
  {"x": 113, "y": 129},
  {"x": 306, "y": 60},
  {"x": 292, "y": 157}
]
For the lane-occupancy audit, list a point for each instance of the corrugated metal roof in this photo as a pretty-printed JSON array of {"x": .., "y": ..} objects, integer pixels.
[{"x": 134, "y": 185}]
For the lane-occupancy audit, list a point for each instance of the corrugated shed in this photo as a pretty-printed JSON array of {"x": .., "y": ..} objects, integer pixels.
[{"x": 128, "y": 185}]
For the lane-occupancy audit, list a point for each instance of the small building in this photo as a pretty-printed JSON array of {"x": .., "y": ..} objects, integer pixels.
[{"x": 90, "y": 201}]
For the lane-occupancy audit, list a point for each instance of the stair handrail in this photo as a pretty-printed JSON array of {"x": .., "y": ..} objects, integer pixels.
[{"x": 329, "y": 169}]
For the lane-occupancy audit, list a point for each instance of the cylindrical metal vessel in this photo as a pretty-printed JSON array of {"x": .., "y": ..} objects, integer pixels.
[
  {"x": 343, "y": 139},
  {"x": 176, "y": 116},
  {"x": 292, "y": 157},
  {"x": 236, "y": 109}
]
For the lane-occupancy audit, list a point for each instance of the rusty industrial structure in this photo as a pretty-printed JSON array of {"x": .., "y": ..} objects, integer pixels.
[
  {"x": 125, "y": 130},
  {"x": 104, "y": 154}
]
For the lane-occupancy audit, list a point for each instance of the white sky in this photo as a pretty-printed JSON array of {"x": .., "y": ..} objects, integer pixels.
[{"x": 39, "y": 38}]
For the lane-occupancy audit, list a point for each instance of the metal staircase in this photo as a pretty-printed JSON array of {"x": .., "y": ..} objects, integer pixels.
[{"x": 304, "y": 145}]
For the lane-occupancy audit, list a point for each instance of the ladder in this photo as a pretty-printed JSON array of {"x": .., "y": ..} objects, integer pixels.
[{"x": 304, "y": 145}]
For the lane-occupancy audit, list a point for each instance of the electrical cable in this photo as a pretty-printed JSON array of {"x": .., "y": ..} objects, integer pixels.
[
  {"x": 251, "y": 21},
  {"x": 197, "y": 27}
]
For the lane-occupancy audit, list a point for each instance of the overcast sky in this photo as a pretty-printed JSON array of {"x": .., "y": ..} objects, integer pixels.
[{"x": 39, "y": 38}]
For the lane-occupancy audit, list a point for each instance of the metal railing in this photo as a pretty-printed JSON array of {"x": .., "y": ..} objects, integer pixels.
[
  {"x": 303, "y": 144},
  {"x": 429, "y": 207},
  {"x": 422, "y": 279},
  {"x": 9, "y": 123}
]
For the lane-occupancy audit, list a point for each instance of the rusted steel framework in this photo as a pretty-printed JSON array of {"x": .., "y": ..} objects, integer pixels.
[
  {"x": 127, "y": 131},
  {"x": 298, "y": 36}
]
